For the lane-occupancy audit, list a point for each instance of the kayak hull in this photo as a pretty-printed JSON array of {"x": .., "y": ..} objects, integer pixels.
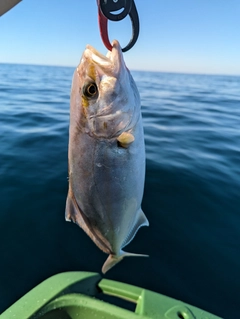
[{"x": 74, "y": 295}]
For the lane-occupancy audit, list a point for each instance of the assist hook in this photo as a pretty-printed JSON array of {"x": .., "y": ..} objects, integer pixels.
[{"x": 105, "y": 13}]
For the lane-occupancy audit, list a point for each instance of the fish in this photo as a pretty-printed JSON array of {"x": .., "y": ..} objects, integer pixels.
[{"x": 106, "y": 153}]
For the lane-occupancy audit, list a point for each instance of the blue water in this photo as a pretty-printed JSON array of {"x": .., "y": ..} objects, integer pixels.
[{"x": 192, "y": 191}]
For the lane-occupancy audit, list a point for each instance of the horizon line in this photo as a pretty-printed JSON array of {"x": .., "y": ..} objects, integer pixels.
[{"x": 132, "y": 70}]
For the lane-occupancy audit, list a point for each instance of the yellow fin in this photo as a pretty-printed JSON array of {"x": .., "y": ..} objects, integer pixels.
[{"x": 125, "y": 139}]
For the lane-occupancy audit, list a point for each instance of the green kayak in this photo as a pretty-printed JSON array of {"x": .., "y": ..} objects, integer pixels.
[{"x": 77, "y": 295}]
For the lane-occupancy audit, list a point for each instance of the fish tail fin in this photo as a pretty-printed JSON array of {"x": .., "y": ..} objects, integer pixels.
[
  {"x": 112, "y": 260},
  {"x": 126, "y": 254}
]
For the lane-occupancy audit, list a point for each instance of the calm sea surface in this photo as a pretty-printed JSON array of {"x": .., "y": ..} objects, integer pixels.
[{"x": 192, "y": 190}]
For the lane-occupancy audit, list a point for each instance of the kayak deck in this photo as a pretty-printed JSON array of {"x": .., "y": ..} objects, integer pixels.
[{"x": 72, "y": 295}]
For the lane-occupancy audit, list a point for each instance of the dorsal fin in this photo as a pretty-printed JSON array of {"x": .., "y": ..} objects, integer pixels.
[{"x": 74, "y": 213}]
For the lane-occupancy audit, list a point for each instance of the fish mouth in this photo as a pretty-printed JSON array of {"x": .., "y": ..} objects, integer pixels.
[{"x": 110, "y": 64}]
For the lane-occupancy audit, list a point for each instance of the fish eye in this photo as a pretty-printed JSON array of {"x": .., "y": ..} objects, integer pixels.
[{"x": 90, "y": 90}]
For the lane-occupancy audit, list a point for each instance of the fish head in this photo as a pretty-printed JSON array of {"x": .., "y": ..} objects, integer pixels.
[{"x": 104, "y": 100}]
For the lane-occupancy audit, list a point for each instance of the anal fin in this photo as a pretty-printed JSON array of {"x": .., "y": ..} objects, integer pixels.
[
  {"x": 112, "y": 260},
  {"x": 140, "y": 222}
]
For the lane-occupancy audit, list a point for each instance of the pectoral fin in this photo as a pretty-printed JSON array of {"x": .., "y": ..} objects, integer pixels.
[{"x": 125, "y": 139}]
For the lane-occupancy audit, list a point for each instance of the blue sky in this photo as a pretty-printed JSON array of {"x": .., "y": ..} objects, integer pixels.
[{"x": 201, "y": 36}]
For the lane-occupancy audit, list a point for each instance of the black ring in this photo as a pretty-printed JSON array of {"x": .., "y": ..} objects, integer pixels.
[
  {"x": 135, "y": 27},
  {"x": 108, "y": 6}
]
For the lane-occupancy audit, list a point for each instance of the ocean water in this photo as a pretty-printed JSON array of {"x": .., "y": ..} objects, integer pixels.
[{"x": 192, "y": 189}]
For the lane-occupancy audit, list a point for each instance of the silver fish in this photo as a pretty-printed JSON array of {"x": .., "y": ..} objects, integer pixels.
[{"x": 106, "y": 153}]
